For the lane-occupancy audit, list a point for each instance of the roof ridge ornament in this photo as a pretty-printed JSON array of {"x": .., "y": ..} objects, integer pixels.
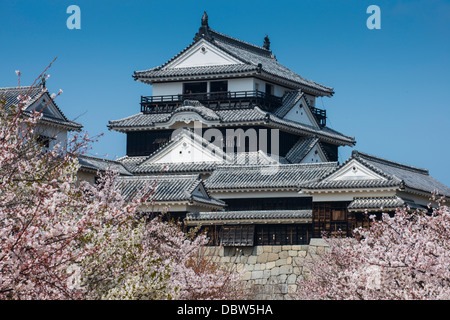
[
  {"x": 266, "y": 44},
  {"x": 203, "y": 31},
  {"x": 205, "y": 20}
]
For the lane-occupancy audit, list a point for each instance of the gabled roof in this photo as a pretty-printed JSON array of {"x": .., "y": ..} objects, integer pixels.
[
  {"x": 247, "y": 116},
  {"x": 249, "y": 216},
  {"x": 260, "y": 177},
  {"x": 289, "y": 100},
  {"x": 255, "y": 60},
  {"x": 35, "y": 93},
  {"x": 147, "y": 164},
  {"x": 302, "y": 148},
  {"x": 392, "y": 174},
  {"x": 89, "y": 163},
  {"x": 381, "y": 203},
  {"x": 167, "y": 188}
]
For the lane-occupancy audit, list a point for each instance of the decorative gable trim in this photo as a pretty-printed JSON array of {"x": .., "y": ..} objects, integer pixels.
[
  {"x": 202, "y": 53},
  {"x": 187, "y": 147},
  {"x": 354, "y": 170},
  {"x": 301, "y": 112}
]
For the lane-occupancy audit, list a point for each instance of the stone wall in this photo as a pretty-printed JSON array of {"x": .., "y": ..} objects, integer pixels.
[{"x": 272, "y": 272}]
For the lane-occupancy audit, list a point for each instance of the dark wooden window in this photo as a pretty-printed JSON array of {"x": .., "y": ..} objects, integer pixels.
[
  {"x": 238, "y": 235},
  {"x": 331, "y": 218},
  {"x": 269, "y": 88},
  {"x": 256, "y": 235},
  {"x": 283, "y": 234},
  {"x": 143, "y": 143},
  {"x": 194, "y": 87},
  {"x": 218, "y": 86},
  {"x": 43, "y": 141}
]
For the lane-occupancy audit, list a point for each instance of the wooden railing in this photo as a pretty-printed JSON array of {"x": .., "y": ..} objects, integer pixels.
[
  {"x": 321, "y": 116},
  {"x": 213, "y": 100}
]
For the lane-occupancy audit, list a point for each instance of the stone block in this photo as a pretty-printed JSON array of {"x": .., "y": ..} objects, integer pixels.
[
  {"x": 280, "y": 262},
  {"x": 293, "y": 253},
  {"x": 291, "y": 279},
  {"x": 275, "y": 271},
  {"x": 270, "y": 265},
  {"x": 292, "y": 289},
  {"x": 272, "y": 257},
  {"x": 318, "y": 242},
  {"x": 276, "y": 249},
  {"x": 251, "y": 260},
  {"x": 262, "y": 258},
  {"x": 258, "y": 250},
  {"x": 257, "y": 275},
  {"x": 286, "y": 269},
  {"x": 247, "y": 276},
  {"x": 283, "y": 254}
]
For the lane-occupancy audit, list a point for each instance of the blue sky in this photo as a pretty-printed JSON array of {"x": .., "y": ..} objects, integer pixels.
[{"x": 391, "y": 84}]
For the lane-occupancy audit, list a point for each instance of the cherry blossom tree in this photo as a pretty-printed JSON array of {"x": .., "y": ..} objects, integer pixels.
[
  {"x": 66, "y": 239},
  {"x": 404, "y": 256}
]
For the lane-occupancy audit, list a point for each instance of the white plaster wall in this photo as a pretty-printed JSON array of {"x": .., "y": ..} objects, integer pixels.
[
  {"x": 312, "y": 156},
  {"x": 59, "y": 135},
  {"x": 299, "y": 114},
  {"x": 168, "y": 88},
  {"x": 236, "y": 84},
  {"x": 277, "y": 90},
  {"x": 240, "y": 84}
]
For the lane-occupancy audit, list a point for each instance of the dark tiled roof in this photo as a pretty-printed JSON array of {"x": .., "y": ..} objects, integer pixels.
[
  {"x": 145, "y": 165},
  {"x": 11, "y": 94},
  {"x": 381, "y": 203},
  {"x": 257, "y": 55},
  {"x": 250, "y": 216},
  {"x": 289, "y": 100},
  {"x": 255, "y": 115},
  {"x": 142, "y": 121},
  {"x": 412, "y": 177},
  {"x": 168, "y": 188},
  {"x": 283, "y": 176},
  {"x": 255, "y": 60},
  {"x": 395, "y": 174},
  {"x": 99, "y": 164},
  {"x": 301, "y": 149},
  {"x": 194, "y": 71},
  {"x": 183, "y": 167}
]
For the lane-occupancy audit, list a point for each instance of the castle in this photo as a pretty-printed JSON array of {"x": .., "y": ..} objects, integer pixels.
[
  {"x": 237, "y": 147},
  {"x": 226, "y": 113}
]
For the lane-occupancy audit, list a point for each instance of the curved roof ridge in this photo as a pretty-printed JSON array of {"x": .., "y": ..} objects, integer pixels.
[
  {"x": 388, "y": 162},
  {"x": 239, "y": 42}
]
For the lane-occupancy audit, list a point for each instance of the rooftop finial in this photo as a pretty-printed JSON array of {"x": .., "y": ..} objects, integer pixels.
[
  {"x": 266, "y": 44},
  {"x": 203, "y": 31},
  {"x": 205, "y": 20},
  {"x": 43, "y": 80}
]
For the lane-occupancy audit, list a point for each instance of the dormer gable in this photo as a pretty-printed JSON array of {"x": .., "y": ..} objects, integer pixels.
[
  {"x": 202, "y": 53},
  {"x": 301, "y": 112},
  {"x": 354, "y": 170},
  {"x": 187, "y": 147},
  {"x": 47, "y": 107}
]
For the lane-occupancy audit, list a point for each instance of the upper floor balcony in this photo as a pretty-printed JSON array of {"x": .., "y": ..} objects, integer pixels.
[
  {"x": 213, "y": 100},
  {"x": 221, "y": 101}
]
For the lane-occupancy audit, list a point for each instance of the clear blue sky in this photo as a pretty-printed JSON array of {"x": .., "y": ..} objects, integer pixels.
[{"x": 391, "y": 84}]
